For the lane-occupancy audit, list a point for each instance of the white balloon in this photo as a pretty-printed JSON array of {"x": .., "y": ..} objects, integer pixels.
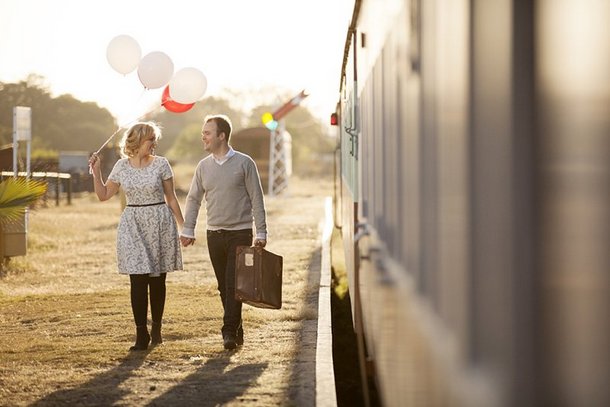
[
  {"x": 123, "y": 54},
  {"x": 188, "y": 85},
  {"x": 155, "y": 70}
]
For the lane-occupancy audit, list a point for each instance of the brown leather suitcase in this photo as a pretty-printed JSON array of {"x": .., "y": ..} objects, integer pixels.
[{"x": 258, "y": 277}]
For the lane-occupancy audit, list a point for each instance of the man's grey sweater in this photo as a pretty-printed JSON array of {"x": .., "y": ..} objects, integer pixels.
[{"x": 232, "y": 192}]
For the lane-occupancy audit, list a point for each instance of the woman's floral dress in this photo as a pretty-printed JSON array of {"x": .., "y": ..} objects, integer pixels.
[{"x": 147, "y": 236}]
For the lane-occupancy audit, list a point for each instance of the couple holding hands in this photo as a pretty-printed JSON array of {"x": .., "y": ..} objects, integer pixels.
[{"x": 148, "y": 240}]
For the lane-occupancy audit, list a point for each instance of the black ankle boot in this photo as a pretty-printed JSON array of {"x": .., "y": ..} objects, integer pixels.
[
  {"x": 142, "y": 338},
  {"x": 156, "y": 333}
]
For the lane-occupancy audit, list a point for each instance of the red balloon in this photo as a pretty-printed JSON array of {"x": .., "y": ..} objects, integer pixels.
[{"x": 173, "y": 106}]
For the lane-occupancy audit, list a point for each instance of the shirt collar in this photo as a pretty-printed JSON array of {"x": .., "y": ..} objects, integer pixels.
[{"x": 223, "y": 159}]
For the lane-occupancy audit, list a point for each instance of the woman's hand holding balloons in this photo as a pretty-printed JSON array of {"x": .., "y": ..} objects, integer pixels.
[{"x": 94, "y": 164}]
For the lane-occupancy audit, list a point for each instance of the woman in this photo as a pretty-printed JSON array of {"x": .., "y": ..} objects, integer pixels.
[{"x": 147, "y": 237}]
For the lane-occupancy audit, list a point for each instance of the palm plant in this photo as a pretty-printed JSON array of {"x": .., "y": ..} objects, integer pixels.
[{"x": 16, "y": 194}]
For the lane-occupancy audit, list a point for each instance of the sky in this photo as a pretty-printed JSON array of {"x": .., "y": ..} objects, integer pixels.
[{"x": 260, "y": 47}]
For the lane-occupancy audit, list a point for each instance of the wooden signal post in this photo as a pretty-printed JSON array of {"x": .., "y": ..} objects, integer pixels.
[{"x": 278, "y": 171}]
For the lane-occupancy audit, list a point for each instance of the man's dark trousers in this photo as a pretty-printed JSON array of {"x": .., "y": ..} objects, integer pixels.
[{"x": 222, "y": 246}]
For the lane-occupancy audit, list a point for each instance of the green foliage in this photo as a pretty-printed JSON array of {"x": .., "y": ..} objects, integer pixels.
[
  {"x": 182, "y": 132},
  {"x": 188, "y": 146},
  {"x": 16, "y": 194},
  {"x": 44, "y": 154},
  {"x": 255, "y": 118},
  {"x": 67, "y": 124},
  {"x": 311, "y": 146},
  {"x": 61, "y": 123}
]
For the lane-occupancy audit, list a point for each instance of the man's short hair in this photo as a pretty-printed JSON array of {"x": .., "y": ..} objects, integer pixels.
[{"x": 223, "y": 124}]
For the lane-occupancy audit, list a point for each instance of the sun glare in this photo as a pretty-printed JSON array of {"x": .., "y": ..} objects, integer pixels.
[{"x": 237, "y": 44}]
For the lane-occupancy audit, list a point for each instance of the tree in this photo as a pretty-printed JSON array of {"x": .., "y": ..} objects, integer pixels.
[
  {"x": 188, "y": 145},
  {"x": 311, "y": 145},
  {"x": 61, "y": 123},
  {"x": 184, "y": 130},
  {"x": 65, "y": 123},
  {"x": 30, "y": 93}
]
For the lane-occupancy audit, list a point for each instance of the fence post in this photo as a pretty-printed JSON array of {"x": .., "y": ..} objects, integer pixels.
[
  {"x": 57, "y": 182},
  {"x": 69, "y": 181}
]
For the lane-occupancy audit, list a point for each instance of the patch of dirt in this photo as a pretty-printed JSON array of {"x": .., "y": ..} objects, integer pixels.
[{"x": 66, "y": 324}]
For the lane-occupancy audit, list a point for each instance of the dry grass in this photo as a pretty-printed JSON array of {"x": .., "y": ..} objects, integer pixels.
[{"x": 66, "y": 323}]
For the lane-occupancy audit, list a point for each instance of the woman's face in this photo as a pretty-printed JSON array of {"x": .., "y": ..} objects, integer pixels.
[{"x": 147, "y": 145}]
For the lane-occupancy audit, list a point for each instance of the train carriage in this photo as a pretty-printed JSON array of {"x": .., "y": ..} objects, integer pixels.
[{"x": 475, "y": 199}]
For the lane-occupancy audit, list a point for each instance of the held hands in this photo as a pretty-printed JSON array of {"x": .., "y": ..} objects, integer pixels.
[{"x": 187, "y": 241}]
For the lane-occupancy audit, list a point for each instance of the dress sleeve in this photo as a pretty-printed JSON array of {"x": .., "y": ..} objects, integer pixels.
[
  {"x": 115, "y": 174},
  {"x": 166, "y": 170}
]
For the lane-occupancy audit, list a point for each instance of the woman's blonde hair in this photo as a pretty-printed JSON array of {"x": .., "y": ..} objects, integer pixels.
[{"x": 133, "y": 136}]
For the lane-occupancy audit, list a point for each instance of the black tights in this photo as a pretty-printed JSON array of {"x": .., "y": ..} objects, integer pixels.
[{"x": 139, "y": 297}]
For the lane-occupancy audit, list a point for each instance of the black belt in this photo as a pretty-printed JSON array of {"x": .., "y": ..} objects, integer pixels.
[
  {"x": 229, "y": 230},
  {"x": 152, "y": 204}
]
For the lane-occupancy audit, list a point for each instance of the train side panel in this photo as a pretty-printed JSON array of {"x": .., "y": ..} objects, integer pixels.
[{"x": 476, "y": 220}]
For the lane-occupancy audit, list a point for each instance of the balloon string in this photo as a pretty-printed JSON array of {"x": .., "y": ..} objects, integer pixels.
[
  {"x": 108, "y": 140},
  {"x": 119, "y": 129},
  {"x": 125, "y": 126},
  {"x": 133, "y": 110},
  {"x": 141, "y": 94}
]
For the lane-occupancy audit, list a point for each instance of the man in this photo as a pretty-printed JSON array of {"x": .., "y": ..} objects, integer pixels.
[{"x": 230, "y": 183}]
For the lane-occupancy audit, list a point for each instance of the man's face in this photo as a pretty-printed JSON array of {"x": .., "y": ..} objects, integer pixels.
[{"x": 210, "y": 137}]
